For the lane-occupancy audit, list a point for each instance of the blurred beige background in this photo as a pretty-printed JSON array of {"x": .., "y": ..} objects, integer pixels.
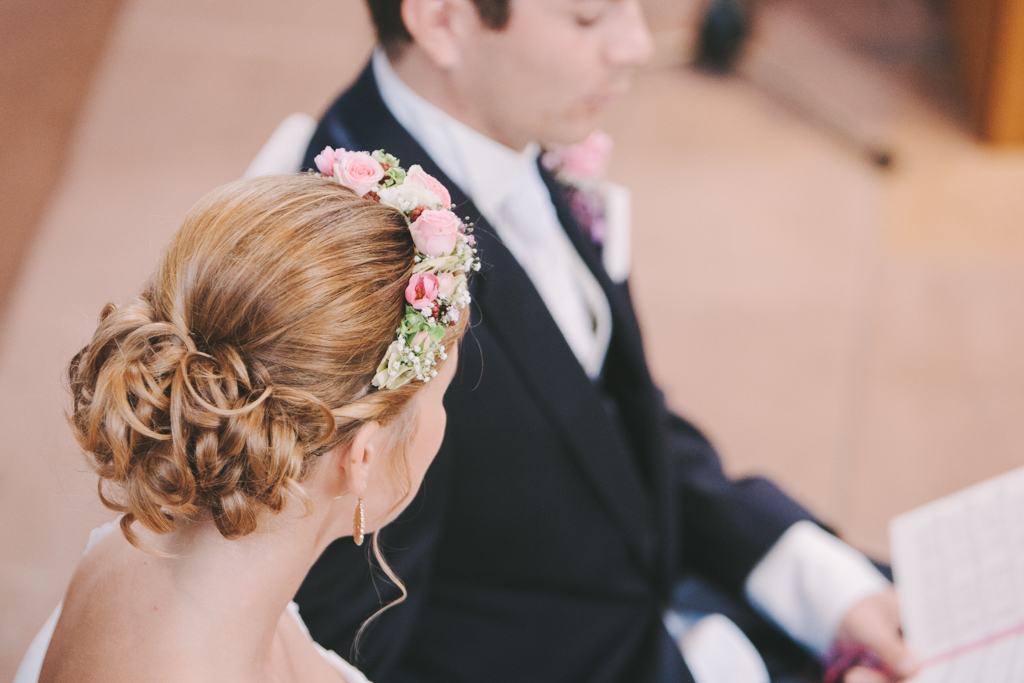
[{"x": 854, "y": 333}]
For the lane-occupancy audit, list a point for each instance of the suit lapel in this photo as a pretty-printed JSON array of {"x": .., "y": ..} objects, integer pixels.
[
  {"x": 628, "y": 363},
  {"x": 511, "y": 307}
]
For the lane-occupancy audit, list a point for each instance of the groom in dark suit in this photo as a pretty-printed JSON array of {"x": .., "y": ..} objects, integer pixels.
[{"x": 570, "y": 521}]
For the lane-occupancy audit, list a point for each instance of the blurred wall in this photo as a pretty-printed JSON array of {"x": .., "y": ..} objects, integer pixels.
[{"x": 48, "y": 53}]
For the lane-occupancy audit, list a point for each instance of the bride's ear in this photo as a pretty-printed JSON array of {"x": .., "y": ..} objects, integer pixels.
[{"x": 357, "y": 457}]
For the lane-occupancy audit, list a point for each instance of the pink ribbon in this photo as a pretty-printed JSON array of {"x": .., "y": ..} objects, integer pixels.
[{"x": 971, "y": 647}]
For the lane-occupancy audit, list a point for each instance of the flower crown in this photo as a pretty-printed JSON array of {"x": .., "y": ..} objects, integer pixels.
[{"x": 445, "y": 254}]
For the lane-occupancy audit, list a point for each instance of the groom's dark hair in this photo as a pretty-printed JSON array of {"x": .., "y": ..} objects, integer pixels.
[{"x": 393, "y": 36}]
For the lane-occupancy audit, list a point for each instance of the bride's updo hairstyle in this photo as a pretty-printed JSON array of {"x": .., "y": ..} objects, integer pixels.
[{"x": 250, "y": 351}]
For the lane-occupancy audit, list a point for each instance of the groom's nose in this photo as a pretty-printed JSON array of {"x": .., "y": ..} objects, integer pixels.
[{"x": 630, "y": 43}]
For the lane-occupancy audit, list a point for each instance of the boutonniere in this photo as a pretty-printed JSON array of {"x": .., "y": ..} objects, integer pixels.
[{"x": 580, "y": 170}]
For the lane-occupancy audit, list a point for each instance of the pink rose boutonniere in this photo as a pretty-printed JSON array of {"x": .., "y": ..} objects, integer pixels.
[
  {"x": 580, "y": 169},
  {"x": 583, "y": 163}
]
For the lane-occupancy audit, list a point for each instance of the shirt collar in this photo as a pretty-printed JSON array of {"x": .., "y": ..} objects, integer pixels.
[{"x": 485, "y": 170}]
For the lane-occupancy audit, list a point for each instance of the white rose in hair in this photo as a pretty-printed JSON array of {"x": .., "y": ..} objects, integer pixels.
[
  {"x": 446, "y": 285},
  {"x": 418, "y": 176},
  {"x": 408, "y": 196}
]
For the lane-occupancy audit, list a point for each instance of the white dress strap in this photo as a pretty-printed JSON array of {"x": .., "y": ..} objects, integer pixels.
[
  {"x": 32, "y": 663},
  {"x": 348, "y": 673}
]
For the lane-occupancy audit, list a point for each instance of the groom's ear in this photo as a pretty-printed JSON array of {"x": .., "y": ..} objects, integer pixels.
[
  {"x": 441, "y": 27},
  {"x": 359, "y": 456}
]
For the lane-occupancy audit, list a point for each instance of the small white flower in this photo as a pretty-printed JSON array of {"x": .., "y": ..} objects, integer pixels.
[{"x": 408, "y": 196}]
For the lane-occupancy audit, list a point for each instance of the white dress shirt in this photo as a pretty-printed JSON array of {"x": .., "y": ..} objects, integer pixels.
[{"x": 809, "y": 579}]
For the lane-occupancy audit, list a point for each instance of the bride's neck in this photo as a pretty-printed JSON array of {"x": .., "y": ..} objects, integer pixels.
[{"x": 234, "y": 592}]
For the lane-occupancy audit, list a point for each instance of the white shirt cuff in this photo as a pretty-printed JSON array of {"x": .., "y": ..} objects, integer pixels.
[{"x": 807, "y": 583}]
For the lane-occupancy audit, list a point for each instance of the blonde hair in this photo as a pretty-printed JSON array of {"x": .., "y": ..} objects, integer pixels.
[{"x": 249, "y": 351}]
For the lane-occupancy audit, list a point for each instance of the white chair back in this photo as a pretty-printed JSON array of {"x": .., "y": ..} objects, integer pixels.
[{"x": 284, "y": 151}]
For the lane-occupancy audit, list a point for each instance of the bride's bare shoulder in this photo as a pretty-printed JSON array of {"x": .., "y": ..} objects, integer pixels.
[
  {"x": 110, "y": 618},
  {"x": 125, "y": 617}
]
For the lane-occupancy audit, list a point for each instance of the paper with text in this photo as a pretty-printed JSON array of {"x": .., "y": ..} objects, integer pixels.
[{"x": 959, "y": 569}]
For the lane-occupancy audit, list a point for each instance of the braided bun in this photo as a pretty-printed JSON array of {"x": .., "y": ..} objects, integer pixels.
[{"x": 250, "y": 350}]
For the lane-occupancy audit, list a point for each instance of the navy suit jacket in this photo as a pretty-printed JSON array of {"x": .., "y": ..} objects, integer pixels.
[{"x": 550, "y": 530}]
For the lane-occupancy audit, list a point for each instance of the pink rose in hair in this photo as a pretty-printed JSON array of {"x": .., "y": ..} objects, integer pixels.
[
  {"x": 326, "y": 159},
  {"x": 435, "y": 232},
  {"x": 422, "y": 290},
  {"x": 584, "y": 161},
  {"x": 357, "y": 171},
  {"x": 418, "y": 176}
]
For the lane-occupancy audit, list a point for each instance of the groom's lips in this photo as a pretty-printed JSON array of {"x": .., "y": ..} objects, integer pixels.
[{"x": 609, "y": 94}]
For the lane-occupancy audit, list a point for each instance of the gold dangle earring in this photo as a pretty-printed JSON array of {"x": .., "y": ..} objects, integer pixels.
[{"x": 358, "y": 524}]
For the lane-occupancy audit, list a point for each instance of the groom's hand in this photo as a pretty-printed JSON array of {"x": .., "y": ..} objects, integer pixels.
[{"x": 874, "y": 623}]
